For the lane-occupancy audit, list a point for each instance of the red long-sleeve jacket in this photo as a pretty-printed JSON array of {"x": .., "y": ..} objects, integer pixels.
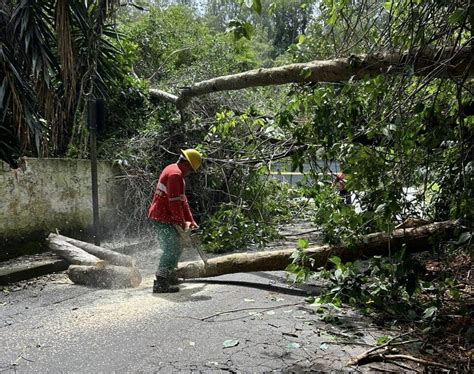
[{"x": 169, "y": 204}]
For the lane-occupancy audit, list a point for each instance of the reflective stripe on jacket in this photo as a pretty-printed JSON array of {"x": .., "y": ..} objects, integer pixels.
[{"x": 170, "y": 204}]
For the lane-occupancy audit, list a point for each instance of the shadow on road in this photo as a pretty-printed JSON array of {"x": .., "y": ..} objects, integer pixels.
[{"x": 303, "y": 291}]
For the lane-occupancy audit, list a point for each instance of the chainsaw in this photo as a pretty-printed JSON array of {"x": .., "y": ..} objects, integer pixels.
[{"x": 188, "y": 237}]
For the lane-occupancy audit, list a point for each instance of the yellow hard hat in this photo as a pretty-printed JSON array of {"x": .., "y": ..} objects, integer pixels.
[{"x": 193, "y": 157}]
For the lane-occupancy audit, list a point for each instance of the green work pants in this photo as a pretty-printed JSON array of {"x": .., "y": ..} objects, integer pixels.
[{"x": 170, "y": 242}]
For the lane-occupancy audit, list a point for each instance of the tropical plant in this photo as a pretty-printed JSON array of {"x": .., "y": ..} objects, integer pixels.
[{"x": 54, "y": 56}]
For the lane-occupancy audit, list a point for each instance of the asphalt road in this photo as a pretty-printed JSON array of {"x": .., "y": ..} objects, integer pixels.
[
  {"x": 246, "y": 323},
  {"x": 53, "y": 326}
]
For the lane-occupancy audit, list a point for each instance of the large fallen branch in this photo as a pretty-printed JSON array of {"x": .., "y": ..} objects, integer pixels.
[
  {"x": 87, "y": 269},
  {"x": 73, "y": 254},
  {"x": 435, "y": 63},
  {"x": 108, "y": 255},
  {"x": 108, "y": 277},
  {"x": 415, "y": 239}
]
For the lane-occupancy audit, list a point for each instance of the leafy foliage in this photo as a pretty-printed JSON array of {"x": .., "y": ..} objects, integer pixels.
[
  {"x": 397, "y": 287},
  {"x": 231, "y": 228},
  {"x": 172, "y": 44},
  {"x": 253, "y": 203},
  {"x": 394, "y": 157},
  {"x": 53, "y": 55}
]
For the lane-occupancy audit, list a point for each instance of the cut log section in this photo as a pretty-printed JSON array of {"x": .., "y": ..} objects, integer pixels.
[
  {"x": 73, "y": 254},
  {"x": 108, "y": 255},
  {"x": 110, "y": 276},
  {"x": 415, "y": 239}
]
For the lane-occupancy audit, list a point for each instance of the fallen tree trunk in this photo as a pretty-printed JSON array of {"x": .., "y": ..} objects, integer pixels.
[
  {"x": 73, "y": 254},
  {"x": 415, "y": 239},
  {"x": 108, "y": 255},
  {"x": 110, "y": 276}
]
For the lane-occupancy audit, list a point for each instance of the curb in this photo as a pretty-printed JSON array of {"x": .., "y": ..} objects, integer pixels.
[{"x": 27, "y": 269}]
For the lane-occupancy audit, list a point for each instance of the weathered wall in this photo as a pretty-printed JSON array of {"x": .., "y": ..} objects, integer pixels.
[{"x": 48, "y": 194}]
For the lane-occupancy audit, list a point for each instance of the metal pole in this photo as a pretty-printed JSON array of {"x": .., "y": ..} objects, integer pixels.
[{"x": 92, "y": 119}]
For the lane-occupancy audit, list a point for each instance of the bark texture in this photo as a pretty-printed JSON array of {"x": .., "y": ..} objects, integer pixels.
[
  {"x": 73, "y": 254},
  {"x": 434, "y": 63},
  {"x": 108, "y": 255},
  {"x": 110, "y": 276},
  {"x": 415, "y": 239}
]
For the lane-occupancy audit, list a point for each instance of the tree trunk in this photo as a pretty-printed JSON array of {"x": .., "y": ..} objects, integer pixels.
[
  {"x": 108, "y": 255},
  {"x": 415, "y": 239},
  {"x": 436, "y": 63},
  {"x": 73, "y": 254},
  {"x": 110, "y": 276}
]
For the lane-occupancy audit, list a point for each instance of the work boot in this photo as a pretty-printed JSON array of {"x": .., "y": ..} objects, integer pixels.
[
  {"x": 173, "y": 277},
  {"x": 162, "y": 285}
]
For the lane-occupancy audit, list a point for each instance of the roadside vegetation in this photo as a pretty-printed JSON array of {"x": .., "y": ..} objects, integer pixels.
[{"x": 404, "y": 139}]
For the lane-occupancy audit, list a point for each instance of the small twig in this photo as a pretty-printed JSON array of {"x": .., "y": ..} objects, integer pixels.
[
  {"x": 20, "y": 356},
  {"x": 345, "y": 342},
  {"x": 380, "y": 370},
  {"x": 369, "y": 356},
  {"x": 26, "y": 359},
  {"x": 406, "y": 342},
  {"x": 360, "y": 357},
  {"x": 403, "y": 366},
  {"x": 418, "y": 360},
  {"x": 243, "y": 309},
  {"x": 135, "y": 5}
]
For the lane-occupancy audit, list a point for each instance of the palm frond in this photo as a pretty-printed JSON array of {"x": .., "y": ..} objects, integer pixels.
[
  {"x": 18, "y": 99},
  {"x": 31, "y": 25},
  {"x": 53, "y": 55}
]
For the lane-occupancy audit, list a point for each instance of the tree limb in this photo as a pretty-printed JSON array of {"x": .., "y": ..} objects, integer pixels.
[
  {"x": 415, "y": 239},
  {"x": 435, "y": 63},
  {"x": 162, "y": 95}
]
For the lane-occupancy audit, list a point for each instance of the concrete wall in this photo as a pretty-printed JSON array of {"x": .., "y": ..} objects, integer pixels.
[{"x": 48, "y": 194}]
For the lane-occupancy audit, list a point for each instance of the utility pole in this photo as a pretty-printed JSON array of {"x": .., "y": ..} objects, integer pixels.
[{"x": 95, "y": 121}]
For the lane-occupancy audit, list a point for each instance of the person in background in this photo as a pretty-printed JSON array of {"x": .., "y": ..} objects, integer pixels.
[
  {"x": 169, "y": 212},
  {"x": 341, "y": 186}
]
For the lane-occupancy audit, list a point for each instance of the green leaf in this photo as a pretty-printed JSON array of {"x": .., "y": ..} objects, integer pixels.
[
  {"x": 257, "y": 6},
  {"x": 332, "y": 19},
  {"x": 230, "y": 343},
  {"x": 306, "y": 73},
  {"x": 388, "y": 6},
  {"x": 382, "y": 340},
  {"x": 380, "y": 209},
  {"x": 454, "y": 293},
  {"x": 457, "y": 16},
  {"x": 240, "y": 29},
  {"x": 430, "y": 312},
  {"x": 248, "y": 30},
  {"x": 292, "y": 268},
  {"x": 336, "y": 261},
  {"x": 464, "y": 237},
  {"x": 293, "y": 345},
  {"x": 302, "y": 244}
]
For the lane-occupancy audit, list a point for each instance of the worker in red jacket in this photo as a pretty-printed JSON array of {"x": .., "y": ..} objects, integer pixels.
[
  {"x": 340, "y": 181},
  {"x": 170, "y": 212}
]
